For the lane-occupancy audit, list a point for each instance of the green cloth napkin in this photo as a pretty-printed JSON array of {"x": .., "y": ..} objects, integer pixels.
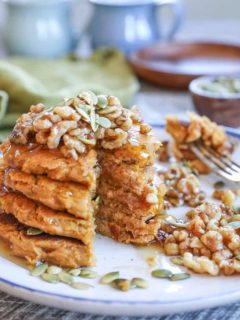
[{"x": 25, "y": 81}]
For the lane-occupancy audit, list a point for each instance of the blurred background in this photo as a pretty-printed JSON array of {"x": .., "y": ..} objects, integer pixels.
[{"x": 51, "y": 49}]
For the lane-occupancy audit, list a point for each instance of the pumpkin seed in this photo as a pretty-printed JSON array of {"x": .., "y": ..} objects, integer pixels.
[
  {"x": 90, "y": 274},
  {"x": 109, "y": 277},
  {"x": 74, "y": 272},
  {"x": 93, "y": 120},
  {"x": 170, "y": 220},
  {"x": 89, "y": 97},
  {"x": 236, "y": 217},
  {"x": 102, "y": 101},
  {"x": 40, "y": 269},
  {"x": 65, "y": 277},
  {"x": 108, "y": 110},
  {"x": 161, "y": 273},
  {"x": 97, "y": 199},
  {"x": 81, "y": 286},
  {"x": 104, "y": 122},
  {"x": 53, "y": 278},
  {"x": 54, "y": 270},
  {"x": 139, "y": 283},
  {"x": 219, "y": 185},
  {"x": 83, "y": 113},
  {"x": 34, "y": 231},
  {"x": 234, "y": 224},
  {"x": 179, "y": 276},
  {"x": 238, "y": 257},
  {"x": 177, "y": 261},
  {"x": 91, "y": 142},
  {"x": 121, "y": 284},
  {"x": 236, "y": 209}
]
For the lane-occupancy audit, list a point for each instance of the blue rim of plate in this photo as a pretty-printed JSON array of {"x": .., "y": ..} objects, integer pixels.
[{"x": 232, "y": 132}]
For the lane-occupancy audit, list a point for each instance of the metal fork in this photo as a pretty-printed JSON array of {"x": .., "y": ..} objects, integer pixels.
[{"x": 220, "y": 164}]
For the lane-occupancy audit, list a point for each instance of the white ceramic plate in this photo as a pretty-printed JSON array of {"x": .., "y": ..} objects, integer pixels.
[{"x": 163, "y": 296}]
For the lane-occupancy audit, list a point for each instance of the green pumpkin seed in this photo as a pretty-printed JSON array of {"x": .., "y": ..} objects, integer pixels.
[
  {"x": 104, "y": 122},
  {"x": 81, "y": 286},
  {"x": 65, "y": 278},
  {"x": 90, "y": 274},
  {"x": 83, "y": 113},
  {"x": 177, "y": 261},
  {"x": 34, "y": 231},
  {"x": 236, "y": 217},
  {"x": 89, "y": 97},
  {"x": 91, "y": 142},
  {"x": 53, "y": 278},
  {"x": 109, "y": 277},
  {"x": 108, "y": 110},
  {"x": 139, "y": 283},
  {"x": 238, "y": 257},
  {"x": 54, "y": 270},
  {"x": 170, "y": 220},
  {"x": 219, "y": 185},
  {"x": 40, "y": 269},
  {"x": 93, "y": 120},
  {"x": 97, "y": 199},
  {"x": 121, "y": 284},
  {"x": 75, "y": 272},
  {"x": 234, "y": 224},
  {"x": 102, "y": 101},
  {"x": 179, "y": 276},
  {"x": 161, "y": 273}
]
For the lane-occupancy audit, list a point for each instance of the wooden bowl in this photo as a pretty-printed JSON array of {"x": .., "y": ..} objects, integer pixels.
[
  {"x": 175, "y": 64},
  {"x": 222, "y": 108}
]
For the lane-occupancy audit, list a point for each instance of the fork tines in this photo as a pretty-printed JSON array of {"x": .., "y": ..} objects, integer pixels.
[{"x": 220, "y": 164}]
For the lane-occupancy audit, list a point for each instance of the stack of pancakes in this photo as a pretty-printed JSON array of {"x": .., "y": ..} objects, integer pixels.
[
  {"x": 44, "y": 190},
  {"x": 130, "y": 197},
  {"x": 89, "y": 158}
]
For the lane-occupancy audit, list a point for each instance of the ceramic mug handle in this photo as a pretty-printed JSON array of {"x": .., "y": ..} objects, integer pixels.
[{"x": 178, "y": 12}]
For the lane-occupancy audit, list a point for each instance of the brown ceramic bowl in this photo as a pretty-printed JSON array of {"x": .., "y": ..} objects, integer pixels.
[{"x": 223, "y": 108}]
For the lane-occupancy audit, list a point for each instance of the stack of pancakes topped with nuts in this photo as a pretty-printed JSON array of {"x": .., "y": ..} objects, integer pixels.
[{"x": 62, "y": 167}]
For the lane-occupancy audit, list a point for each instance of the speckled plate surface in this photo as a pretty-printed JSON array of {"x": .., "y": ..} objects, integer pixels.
[{"x": 163, "y": 296}]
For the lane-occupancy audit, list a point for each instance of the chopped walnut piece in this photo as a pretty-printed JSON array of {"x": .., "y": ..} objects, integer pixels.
[{"x": 226, "y": 196}]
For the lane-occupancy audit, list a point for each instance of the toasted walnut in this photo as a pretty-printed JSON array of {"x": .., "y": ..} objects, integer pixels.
[
  {"x": 43, "y": 124},
  {"x": 145, "y": 128},
  {"x": 67, "y": 113},
  {"x": 213, "y": 240},
  {"x": 42, "y": 137},
  {"x": 113, "y": 101},
  {"x": 37, "y": 108},
  {"x": 74, "y": 143},
  {"x": 69, "y": 153},
  {"x": 57, "y": 131},
  {"x": 55, "y": 118},
  {"x": 200, "y": 264},
  {"x": 226, "y": 196},
  {"x": 114, "y": 139},
  {"x": 171, "y": 249}
]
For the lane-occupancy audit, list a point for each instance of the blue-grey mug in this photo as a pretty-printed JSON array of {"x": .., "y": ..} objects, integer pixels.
[
  {"x": 131, "y": 25},
  {"x": 39, "y": 28}
]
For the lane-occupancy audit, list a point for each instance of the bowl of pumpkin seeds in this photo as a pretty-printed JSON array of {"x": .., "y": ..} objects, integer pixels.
[{"x": 218, "y": 98}]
